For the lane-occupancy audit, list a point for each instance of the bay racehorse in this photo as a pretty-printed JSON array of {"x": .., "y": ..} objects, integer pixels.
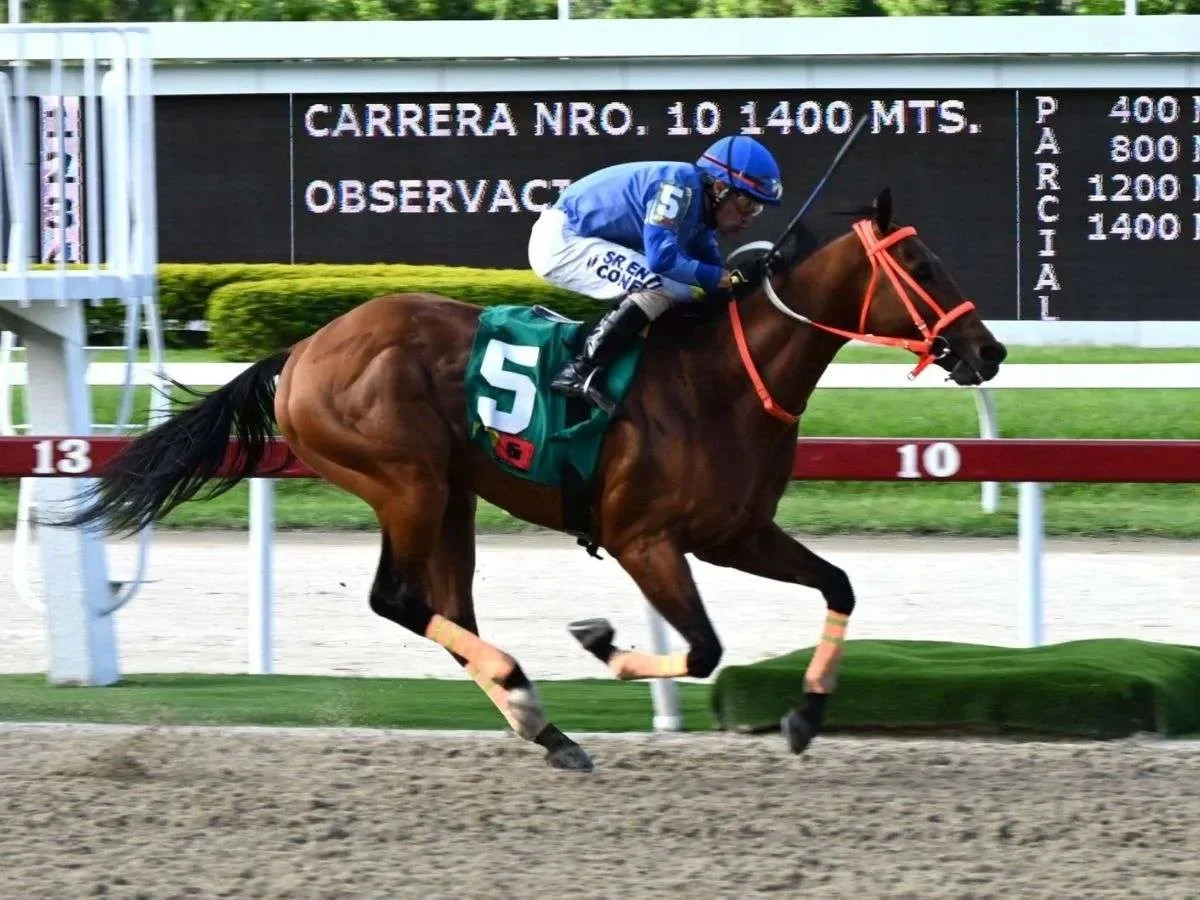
[{"x": 694, "y": 462}]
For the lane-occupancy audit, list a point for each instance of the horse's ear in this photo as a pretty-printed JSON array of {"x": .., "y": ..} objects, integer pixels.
[{"x": 883, "y": 210}]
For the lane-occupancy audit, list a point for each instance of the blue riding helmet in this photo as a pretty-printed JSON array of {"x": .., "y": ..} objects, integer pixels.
[{"x": 745, "y": 164}]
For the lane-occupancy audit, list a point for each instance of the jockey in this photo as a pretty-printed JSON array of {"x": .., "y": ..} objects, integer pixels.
[{"x": 645, "y": 233}]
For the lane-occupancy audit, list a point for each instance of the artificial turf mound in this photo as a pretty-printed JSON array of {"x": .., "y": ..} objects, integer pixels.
[{"x": 1104, "y": 688}]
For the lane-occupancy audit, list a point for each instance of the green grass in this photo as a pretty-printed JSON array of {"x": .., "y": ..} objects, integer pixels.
[
  {"x": 1092, "y": 688},
  {"x": 188, "y": 355},
  {"x": 1171, "y": 511},
  {"x": 327, "y": 701}
]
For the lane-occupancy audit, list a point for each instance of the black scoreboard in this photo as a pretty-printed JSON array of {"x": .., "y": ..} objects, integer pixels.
[{"x": 1044, "y": 204}]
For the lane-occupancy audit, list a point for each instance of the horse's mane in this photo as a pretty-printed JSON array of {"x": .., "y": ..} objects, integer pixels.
[
  {"x": 800, "y": 244},
  {"x": 803, "y": 242},
  {"x": 683, "y": 321},
  {"x": 866, "y": 210}
]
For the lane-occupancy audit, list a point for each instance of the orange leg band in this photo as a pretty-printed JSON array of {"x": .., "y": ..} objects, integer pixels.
[
  {"x": 490, "y": 662},
  {"x": 631, "y": 664},
  {"x": 821, "y": 676},
  {"x": 497, "y": 694},
  {"x": 489, "y": 668}
]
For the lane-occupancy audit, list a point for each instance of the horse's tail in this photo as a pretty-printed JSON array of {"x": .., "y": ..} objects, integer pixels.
[{"x": 170, "y": 463}]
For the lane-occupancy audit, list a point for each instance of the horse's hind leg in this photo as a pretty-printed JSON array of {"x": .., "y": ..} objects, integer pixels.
[{"x": 427, "y": 589}]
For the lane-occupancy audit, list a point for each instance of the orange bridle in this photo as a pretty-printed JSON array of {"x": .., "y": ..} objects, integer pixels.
[{"x": 879, "y": 256}]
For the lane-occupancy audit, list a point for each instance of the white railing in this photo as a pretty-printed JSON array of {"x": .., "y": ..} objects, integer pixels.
[{"x": 838, "y": 375}]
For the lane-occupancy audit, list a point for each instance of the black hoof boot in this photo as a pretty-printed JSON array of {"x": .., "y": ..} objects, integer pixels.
[
  {"x": 562, "y": 753},
  {"x": 596, "y": 636},
  {"x": 801, "y": 726},
  {"x": 797, "y": 731}
]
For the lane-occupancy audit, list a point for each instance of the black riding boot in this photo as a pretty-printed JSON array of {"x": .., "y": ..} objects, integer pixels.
[{"x": 611, "y": 335}]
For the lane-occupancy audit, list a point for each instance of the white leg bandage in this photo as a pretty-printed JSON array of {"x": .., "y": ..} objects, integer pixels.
[{"x": 652, "y": 303}]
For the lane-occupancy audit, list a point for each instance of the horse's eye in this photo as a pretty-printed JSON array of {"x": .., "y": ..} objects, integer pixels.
[{"x": 923, "y": 272}]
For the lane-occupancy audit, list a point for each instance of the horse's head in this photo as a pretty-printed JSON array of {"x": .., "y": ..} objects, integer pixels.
[
  {"x": 894, "y": 291},
  {"x": 909, "y": 294}
]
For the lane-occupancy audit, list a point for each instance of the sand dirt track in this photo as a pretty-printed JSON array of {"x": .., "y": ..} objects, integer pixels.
[
  {"x": 182, "y": 813},
  {"x": 175, "y": 813}
]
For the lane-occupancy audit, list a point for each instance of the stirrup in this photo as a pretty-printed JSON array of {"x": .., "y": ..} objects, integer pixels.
[
  {"x": 569, "y": 378},
  {"x": 584, "y": 390},
  {"x": 596, "y": 398}
]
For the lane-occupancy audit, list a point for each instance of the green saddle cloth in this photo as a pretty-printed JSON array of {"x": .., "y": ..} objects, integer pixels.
[{"x": 529, "y": 430}]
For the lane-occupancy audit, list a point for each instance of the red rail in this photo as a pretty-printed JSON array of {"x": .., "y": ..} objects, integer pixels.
[
  {"x": 1001, "y": 459},
  {"x": 817, "y": 459}
]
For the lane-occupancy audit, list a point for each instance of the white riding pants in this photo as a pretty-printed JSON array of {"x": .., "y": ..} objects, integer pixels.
[{"x": 598, "y": 268}]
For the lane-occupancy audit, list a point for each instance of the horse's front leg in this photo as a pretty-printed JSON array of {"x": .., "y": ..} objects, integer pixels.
[
  {"x": 662, "y": 573},
  {"x": 770, "y": 553}
]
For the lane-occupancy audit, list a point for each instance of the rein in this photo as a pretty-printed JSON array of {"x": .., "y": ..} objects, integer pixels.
[{"x": 933, "y": 347}]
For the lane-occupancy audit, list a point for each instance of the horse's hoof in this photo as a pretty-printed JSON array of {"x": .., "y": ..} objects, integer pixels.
[
  {"x": 569, "y": 758},
  {"x": 596, "y": 636},
  {"x": 798, "y": 732},
  {"x": 562, "y": 753}
]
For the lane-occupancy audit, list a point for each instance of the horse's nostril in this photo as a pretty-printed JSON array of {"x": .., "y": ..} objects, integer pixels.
[{"x": 993, "y": 353}]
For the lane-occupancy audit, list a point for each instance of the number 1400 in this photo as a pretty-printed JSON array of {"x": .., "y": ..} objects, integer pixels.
[{"x": 1141, "y": 226}]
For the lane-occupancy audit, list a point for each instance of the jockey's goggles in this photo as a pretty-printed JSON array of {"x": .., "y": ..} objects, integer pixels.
[{"x": 746, "y": 204}]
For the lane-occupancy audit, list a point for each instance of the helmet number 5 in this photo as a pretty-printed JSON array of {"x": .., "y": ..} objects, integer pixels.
[{"x": 491, "y": 367}]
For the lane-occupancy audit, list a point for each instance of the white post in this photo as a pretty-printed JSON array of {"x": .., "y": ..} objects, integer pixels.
[
  {"x": 985, "y": 407},
  {"x": 663, "y": 691},
  {"x": 564, "y": 9},
  {"x": 81, "y": 640},
  {"x": 1029, "y": 542},
  {"x": 1131, "y": 7},
  {"x": 262, "y": 524},
  {"x": 46, "y": 307}
]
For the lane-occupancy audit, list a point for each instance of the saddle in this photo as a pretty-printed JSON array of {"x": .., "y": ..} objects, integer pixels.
[{"x": 528, "y": 430}]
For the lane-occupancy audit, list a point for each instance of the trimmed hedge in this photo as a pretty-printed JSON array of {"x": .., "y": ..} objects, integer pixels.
[
  {"x": 256, "y": 308},
  {"x": 252, "y": 319},
  {"x": 1099, "y": 688},
  {"x": 185, "y": 289}
]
